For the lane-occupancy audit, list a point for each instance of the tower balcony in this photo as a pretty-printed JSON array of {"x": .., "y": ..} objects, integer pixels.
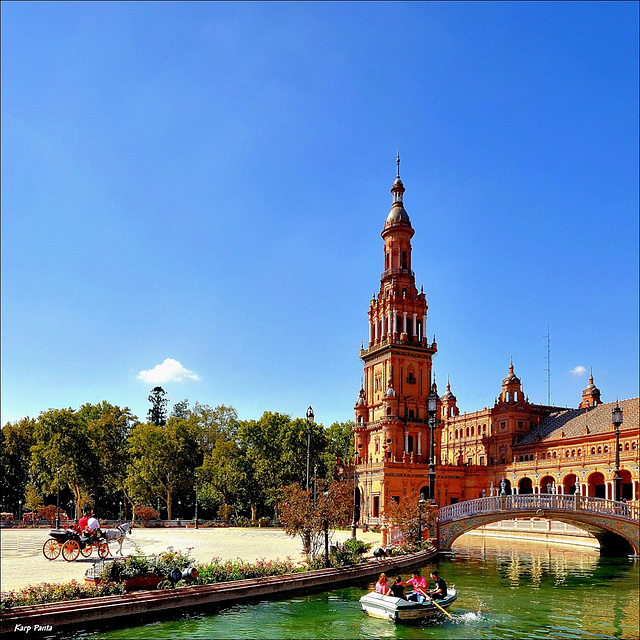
[{"x": 389, "y": 273}]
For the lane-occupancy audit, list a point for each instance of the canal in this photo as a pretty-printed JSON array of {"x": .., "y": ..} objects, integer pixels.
[{"x": 508, "y": 589}]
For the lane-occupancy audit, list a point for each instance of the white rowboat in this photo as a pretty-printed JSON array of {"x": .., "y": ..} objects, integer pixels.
[{"x": 399, "y": 610}]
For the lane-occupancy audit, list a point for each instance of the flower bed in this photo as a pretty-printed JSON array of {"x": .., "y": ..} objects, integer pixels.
[{"x": 47, "y": 592}]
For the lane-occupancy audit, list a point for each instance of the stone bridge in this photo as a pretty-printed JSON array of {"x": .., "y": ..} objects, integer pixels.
[{"x": 615, "y": 525}]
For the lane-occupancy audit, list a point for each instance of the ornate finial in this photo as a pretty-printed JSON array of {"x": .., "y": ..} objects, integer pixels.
[
  {"x": 448, "y": 383},
  {"x": 398, "y": 162},
  {"x": 590, "y": 375},
  {"x": 511, "y": 363}
]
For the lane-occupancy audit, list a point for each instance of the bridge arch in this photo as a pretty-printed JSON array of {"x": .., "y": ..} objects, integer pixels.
[{"x": 613, "y": 524}]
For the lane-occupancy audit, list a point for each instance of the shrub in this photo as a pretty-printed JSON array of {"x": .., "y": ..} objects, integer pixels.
[
  {"x": 138, "y": 565},
  {"x": 145, "y": 513},
  {"x": 242, "y": 521},
  {"x": 219, "y": 571},
  {"x": 46, "y": 592},
  {"x": 226, "y": 511},
  {"x": 356, "y": 546}
]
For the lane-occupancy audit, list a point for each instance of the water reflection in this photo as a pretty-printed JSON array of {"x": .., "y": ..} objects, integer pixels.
[{"x": 506, "y": 590}]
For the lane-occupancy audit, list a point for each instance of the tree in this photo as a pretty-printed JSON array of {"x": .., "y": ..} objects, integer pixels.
[
  {"x": 300, "y": 516},
  {"x": 412, "y": 518},
  {"x": 16, "y": 440},
  {"x": 158, "y": 412},
  {"x": 62, "y": 453},
  {"x": 164, "y": 460},
  {"x": 340, "y": 446},
  {"x": 278, "y": 446},
  {"x": 32, "y": 497},
  {"x": 108, "y": 428}
]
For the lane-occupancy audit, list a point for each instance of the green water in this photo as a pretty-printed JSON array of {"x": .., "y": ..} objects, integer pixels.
[{"x": 506, "y": 590}]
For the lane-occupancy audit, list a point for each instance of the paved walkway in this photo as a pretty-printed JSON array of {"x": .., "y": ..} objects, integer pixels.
[{"x": 22, "y": 561}]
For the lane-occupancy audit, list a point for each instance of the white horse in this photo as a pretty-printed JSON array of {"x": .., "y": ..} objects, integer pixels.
[{"x": 118, "y": 534}]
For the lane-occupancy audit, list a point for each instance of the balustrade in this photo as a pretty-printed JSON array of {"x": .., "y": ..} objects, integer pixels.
[{"x": 529, "y": 501}]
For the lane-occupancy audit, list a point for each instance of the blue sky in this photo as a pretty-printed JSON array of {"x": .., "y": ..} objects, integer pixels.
[{"x": 193, "y": 194}]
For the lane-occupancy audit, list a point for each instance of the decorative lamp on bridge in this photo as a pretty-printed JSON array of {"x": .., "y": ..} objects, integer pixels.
[{"x": 616, "y": 418}]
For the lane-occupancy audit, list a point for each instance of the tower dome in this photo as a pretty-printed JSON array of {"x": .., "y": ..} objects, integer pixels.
[{"x": 397, "y": 215}]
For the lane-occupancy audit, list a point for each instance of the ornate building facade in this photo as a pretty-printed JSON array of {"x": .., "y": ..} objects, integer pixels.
[{"x": 408, "y": 438}]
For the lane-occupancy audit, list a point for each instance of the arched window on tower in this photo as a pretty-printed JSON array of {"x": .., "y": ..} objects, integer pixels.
[{"x": 404, "y": 260}]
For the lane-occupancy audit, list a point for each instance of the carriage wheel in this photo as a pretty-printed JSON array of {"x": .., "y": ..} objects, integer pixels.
[
  {"x": 51, "y": 549},
  {"x": 87, "y": 551},
  {"x": 103, "y": 550},
  {"x": 70, "y": 550}
]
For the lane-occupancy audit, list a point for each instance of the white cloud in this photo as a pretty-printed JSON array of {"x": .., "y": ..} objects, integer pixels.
[
  {"x": 578, "y": 371},
  {"x": 169, "y": 371}
]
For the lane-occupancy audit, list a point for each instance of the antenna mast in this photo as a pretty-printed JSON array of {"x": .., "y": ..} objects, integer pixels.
[{"x": 548, "y": 369}]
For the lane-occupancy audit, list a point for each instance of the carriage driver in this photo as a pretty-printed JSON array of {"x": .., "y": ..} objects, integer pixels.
[{"x": 93, "y": 526}]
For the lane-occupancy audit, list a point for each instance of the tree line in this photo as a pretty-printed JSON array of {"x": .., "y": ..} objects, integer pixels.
[{"x": 103, "y": 457}]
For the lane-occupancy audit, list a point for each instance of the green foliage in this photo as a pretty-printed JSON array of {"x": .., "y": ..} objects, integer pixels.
[
  {"x": 340, "y": 446},
  {"x": 158, "y": 413},
  {"x": 32, "y": 498},
  {"x": 353, "y": 545},
  {"x": 16, "y": 440},
  {"x": 226, "y": 511},
  {"x": 138, "y": 565},
  {"x": 46, "y": 592},
  {"x": 226, "y": 571}
]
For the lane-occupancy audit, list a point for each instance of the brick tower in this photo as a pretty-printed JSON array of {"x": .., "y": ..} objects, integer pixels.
[{"x": 392, "y": 431}]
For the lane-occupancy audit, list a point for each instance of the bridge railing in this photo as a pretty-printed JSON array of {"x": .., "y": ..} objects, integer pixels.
[{"x": 538, "y": 501}]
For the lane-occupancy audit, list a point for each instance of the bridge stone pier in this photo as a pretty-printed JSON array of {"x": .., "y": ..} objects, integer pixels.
[{"x": 615, "y": 525}]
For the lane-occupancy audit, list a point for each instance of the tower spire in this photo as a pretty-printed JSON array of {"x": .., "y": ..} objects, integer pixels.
[{"x": 398, "y": 163}]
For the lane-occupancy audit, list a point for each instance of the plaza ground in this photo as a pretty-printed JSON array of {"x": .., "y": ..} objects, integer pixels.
[{"x": 22, "y": 561}]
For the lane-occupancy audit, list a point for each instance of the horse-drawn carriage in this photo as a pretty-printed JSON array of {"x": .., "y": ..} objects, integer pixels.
[{"x": 72, "y": 544}]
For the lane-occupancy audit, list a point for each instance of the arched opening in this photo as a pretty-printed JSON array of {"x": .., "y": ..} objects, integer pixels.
[
  {"x": 405, "y": 263},
  {"x": 569, "y": 484},
  {"x": 525, "y": 486},
  {"x": 424, "y": 493},
  {"x": 627, "y": 484},
  {"x": 507, "y": 487},
  {"x": 547, "y": 484},
  {"x": 596, "y": 486}
]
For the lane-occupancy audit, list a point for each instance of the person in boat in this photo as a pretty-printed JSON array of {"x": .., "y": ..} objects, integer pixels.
[
  {"x": 419, "y": 585},
  {"x": 382, "y": 586},
  {"x": 440, "y": 590},
  {"x": 397, "y": 589}
]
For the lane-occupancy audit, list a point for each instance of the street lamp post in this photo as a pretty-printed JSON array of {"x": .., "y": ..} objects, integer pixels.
[
  {"x": 310, "y": 417},
  {"x": 58, "y": 499},
  {"x": 19, "y": 512},
  {"x": 179, "y": 510},
  {"x": 354, "y": 525},
  {"x": 195, "y": 526},
  {"x": 617, "y": 479},
  {"x": 432, "y": 405}
]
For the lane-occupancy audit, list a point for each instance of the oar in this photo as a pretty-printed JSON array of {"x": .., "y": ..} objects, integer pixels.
[{"x": 434, "y": 602}]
